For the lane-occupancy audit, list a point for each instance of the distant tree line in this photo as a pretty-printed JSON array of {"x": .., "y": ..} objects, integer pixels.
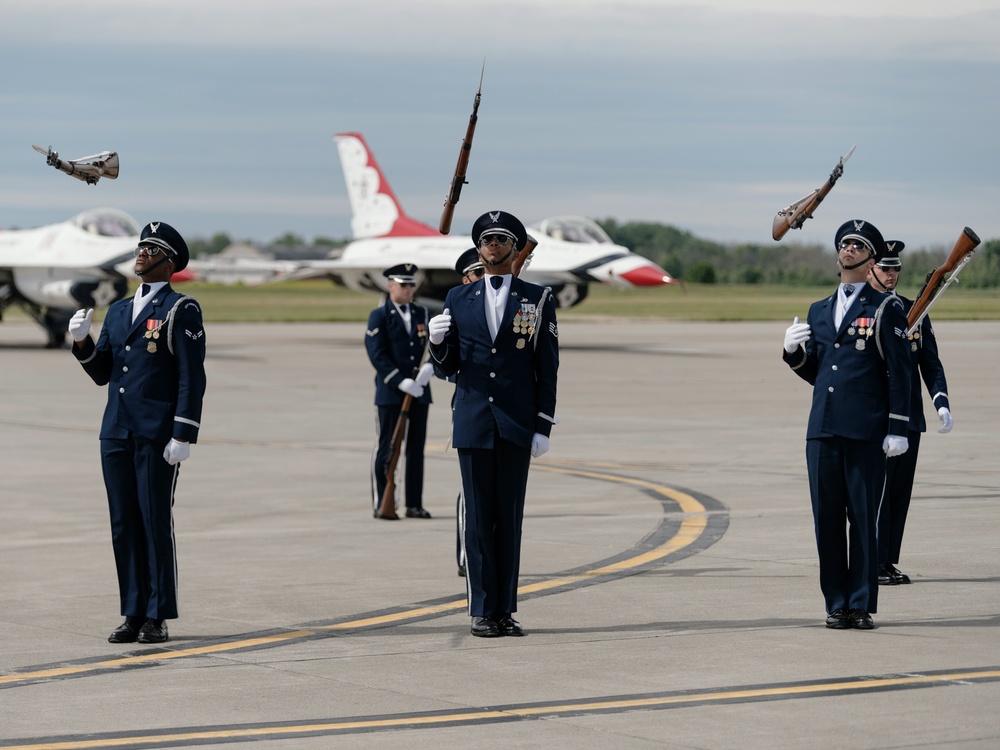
[
  {"x": 700, "y": 261},
  {"x": 685, "y": 256}
]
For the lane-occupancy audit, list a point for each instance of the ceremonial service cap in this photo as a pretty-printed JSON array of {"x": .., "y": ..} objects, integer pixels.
[
  {"x": 468, "y": 261},
  {"x": 402, "y": 273},
  {"x": 863, "y": 231},
  {"x": 166, "y": 238},
  {"x": 890, "y": 258},
  {"x": 500, "y": 222}
]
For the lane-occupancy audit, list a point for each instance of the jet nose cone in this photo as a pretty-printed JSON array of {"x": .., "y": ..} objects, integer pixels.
[{"x": 648, "y": 275}]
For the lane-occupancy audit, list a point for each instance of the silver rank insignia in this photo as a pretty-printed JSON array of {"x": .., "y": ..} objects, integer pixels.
[{"x": 524, "y": 320}]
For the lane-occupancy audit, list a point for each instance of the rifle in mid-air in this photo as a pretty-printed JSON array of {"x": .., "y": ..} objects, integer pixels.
[
  {"x": 795, "y": 215},
  {"x": 935, "y": 285},
  {"x": 455, "y": 192}
]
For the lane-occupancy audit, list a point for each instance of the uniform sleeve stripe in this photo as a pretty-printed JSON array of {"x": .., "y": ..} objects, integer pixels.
[
  {"x": 390, "y": 376},
  {"x": 187, "y": 421},
  {"x": 547, "y": 418},
  {"x": 901, "y": 418}
]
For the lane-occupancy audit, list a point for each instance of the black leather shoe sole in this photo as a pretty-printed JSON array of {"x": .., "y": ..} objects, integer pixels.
[
  {"x": 838, "y": 620},
  {"x": 127, "y": 632},
  {"x": 153, "y": 632},
  {"x": 484, "y": 627},
  {"x": 417, "y": 513},
  {"x": 861, "y": 620},
  {"x": 510, "y": 626}
]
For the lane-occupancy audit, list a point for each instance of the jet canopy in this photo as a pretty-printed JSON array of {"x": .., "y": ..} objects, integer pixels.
[
  {"x": 107, "y": 222},
  {"x": 574, "y": 229}
]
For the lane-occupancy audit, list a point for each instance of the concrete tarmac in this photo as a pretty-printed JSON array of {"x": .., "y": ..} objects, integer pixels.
[{"x": 669, "y": 575}]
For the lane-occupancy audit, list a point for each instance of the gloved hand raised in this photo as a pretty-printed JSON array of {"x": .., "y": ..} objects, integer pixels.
[
  {"x": 539, "y": 445},
  {"x": 438, "y": 327},
  {"x": 796, "y": 334},
  {"x": 947, "y": 422},
  {"x": 425, "y": 374},
  {"x": 410, "y": 386},
  {"x": 176, "y": 451},
  {"x": 79, "y": 324},
  {"x": 894, "y": 445}
]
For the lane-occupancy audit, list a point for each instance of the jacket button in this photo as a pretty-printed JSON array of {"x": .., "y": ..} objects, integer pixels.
[
  {"x": 493, "y": 351},
  {"x": 835, "y": 367},
  {"x": 491, "y": 399},
  {"x": 493, "y": 374},
  {"x": 125, "y": 369},
  {"x": 121, "y": 390},
  {"x": 836, "y": 346},
  {"x": 128, "y": 348},
  {"x": 830, "y": 389}
]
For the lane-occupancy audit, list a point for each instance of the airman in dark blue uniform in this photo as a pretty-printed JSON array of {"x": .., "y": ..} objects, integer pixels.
[
  {"x": 469, "y": 267},
  {"x": 151, "y": 355},
  {"x": 854, "y": 353},
  {"x": 900, "y": 470},
  {"x": 396, "y": 340},
  {"x": 500, "y": 338}
]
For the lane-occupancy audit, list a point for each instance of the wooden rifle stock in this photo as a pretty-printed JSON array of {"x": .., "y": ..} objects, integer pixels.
[
  {"x": 387, "y": 508},
  {"x": 455, "y": 192},
  {"x": 518, "y": 264},
  {"x": 935, "y": 284},
  {"x": 795, "y": 215}
]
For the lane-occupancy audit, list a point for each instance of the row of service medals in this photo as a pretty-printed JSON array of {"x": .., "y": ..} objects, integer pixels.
[
  {"x": 524, "y": 322},
  {"x": 862, "y": 327},
  {"x": 152, "y": 332}
]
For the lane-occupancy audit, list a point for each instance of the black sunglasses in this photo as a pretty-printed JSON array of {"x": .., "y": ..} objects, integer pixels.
[{"x": 500, "y": 239}]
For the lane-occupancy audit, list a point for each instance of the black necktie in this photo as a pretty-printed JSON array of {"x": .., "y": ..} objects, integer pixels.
[
  {"x": 496, "y": 281},
  {"x": 404, "y": 309},
  {"x": 144, "y": 290},
  {"x": 848, "y": 290}
]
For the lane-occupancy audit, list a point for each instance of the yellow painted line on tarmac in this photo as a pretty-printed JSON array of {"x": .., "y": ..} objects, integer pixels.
[
  {"x": 126, "y": 661},
  {"x": 690, "y": 529},
  {"x": 483, "y": 716}
]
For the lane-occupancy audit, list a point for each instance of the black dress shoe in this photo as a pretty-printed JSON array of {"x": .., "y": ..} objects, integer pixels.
[
  {"x": 509, "y": 626},
  {"x": 897, "y": 575},
  {"x": 484, "y": 627},
  {"x": 461, "y": 570},
  {"x": 885, "y": 576},
  {"x": 417, "y": 513},
  {"x": 838, "y": 619},
  {"x": 128, "y": 631},
  {"x": 153, "y": 631},
  {"x": 861, "y": 619}
]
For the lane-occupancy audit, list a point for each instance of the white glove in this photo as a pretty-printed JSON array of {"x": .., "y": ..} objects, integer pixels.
[
  {"x": 409, "y": 385},
  {"x": 539, "y": 445},
  {"x": 947, "y": 422},
  {"x": 796, "y": 334},
  {"x": 893, "y": 445},
  {"x": 438, "y": 327},
  {"x": 425, "y": 374},
  {"x": 176, "y": 451},
  {"x": 79, "y": 324}
]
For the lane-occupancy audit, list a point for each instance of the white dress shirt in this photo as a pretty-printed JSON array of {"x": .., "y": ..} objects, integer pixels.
[
  {"x": 496, "y": 302},
  {"x": 140, "y": 300}
]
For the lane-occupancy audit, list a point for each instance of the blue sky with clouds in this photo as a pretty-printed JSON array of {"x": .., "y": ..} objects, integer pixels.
[{"x": 708, "y": 116}]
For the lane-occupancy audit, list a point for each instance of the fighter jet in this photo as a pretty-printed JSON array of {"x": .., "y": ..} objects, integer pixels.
[
  {"x": 53, "y": 271},
  {"x": 89, "y": 169},
  {"x": 572, "y": 251}
]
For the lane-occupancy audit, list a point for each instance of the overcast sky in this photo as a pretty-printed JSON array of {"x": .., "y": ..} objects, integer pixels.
[{"x": 709, "y": 116}]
